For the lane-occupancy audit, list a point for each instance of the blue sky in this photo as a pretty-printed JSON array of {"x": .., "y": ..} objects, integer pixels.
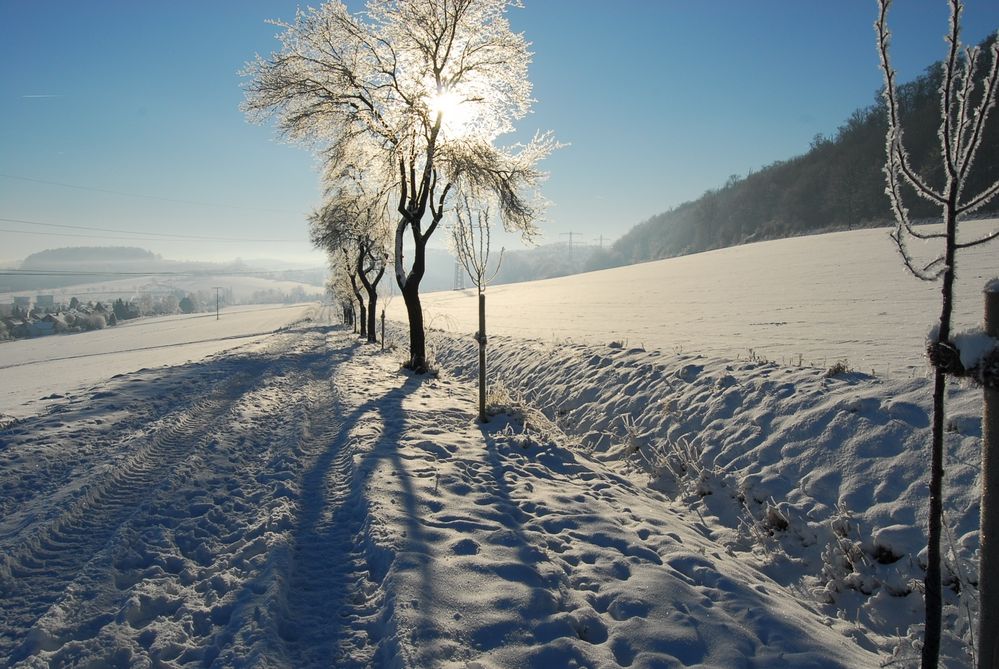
[{"x": 658, "y": 100}]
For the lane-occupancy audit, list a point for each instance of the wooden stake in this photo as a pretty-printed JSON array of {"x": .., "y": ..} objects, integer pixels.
[{"x": 988, "y": 537}]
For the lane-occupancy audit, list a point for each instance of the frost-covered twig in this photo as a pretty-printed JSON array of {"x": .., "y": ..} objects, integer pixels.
[{"x": 962, "y": 127}]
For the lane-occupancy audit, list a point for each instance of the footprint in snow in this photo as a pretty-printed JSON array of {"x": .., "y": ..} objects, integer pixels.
[{"x": 465, "y": 547}]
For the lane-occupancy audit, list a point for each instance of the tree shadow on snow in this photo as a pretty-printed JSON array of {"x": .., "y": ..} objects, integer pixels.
[{"x": 338, "y": 560}]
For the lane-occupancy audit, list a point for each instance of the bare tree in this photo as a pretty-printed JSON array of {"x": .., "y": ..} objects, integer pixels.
[
  {"x": 472, "y": 236},
  {"x": 966, "y": 101},
  {"x": 417, "y": 92}
]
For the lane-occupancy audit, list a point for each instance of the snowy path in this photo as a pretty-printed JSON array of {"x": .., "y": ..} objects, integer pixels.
[{"x": 300, "y": 502}]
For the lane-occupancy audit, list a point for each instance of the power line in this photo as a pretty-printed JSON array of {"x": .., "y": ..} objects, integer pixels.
[
  {"x": 88, "y": 272},
  {"x": 142, "y": 236},
  {"x": 70, "y": 234},
  {"x": 147, "y": 197}
]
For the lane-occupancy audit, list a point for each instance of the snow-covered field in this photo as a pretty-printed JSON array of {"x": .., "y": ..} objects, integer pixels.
[
  {"x": 35, "y": 369},
  {"x": 293, "y": 499},
  {"x": 820, "y": 299}
]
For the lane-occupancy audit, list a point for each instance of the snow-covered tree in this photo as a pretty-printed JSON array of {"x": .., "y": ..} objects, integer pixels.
[
  {"x": 967, "y": 97},
  {"x": 338, "y": 285},
  {"x": 417, "y": 93},
  {"x": 344, "y": 284},
  {"x": 354, "y": 221}
]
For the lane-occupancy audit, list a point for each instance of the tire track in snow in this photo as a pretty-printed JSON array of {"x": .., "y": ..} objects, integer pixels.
[
  {"x": 181, "y": 581},
  {"x": 34, "y": 576},
  {"x": 68, "y": 583}
]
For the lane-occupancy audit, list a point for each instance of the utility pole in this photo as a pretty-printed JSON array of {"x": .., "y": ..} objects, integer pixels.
[
  {"x": 217, "y": 289},
  {"x": 602, "y": 241}
]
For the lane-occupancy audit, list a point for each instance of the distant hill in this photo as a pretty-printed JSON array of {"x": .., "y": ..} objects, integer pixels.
[
  {"x": 57, "y": 268},
  {"x": 837, "y": 184},
  {"x": 85, "y": 256}
]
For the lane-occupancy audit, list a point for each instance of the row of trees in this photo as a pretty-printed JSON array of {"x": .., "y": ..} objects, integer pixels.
[{"x": 403, "y": 105}]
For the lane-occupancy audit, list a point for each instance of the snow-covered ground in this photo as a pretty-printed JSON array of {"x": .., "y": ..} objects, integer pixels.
[
  {"x": 301, "y": 502},
  {"x": 35, "y": 369},
  {"x": 294, "y": 499},
  {"x": 818, "y": 480},
  {"x": 820, "y": 299}
]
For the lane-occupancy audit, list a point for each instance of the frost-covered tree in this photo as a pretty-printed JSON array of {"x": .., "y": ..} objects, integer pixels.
[
  {"x": 417, "y": 93},
  {"x": 338, "y": 284},
  {"x": 967, "y": 98},
  {"x": 343, "y": 282},
  {"x": 354, "y": 222},
  {"x": 472, "y": 236}
]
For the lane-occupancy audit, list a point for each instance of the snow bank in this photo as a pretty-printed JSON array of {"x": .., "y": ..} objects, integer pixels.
[
  {"x": 510, "y": 549},
  {"x": 820, "y": 477}
]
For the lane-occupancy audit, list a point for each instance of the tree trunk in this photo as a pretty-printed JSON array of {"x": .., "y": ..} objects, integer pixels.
[
  {"x": 360, "y": 301},
  {"x": 417, "y": 337},
  {"x": 933, "y": 587},
  {"x": 372, "y": 316},
  {"x": 409, "y": 285},
  {"x": 372, "y": 289},
  {"x": 934, "y": 597}
]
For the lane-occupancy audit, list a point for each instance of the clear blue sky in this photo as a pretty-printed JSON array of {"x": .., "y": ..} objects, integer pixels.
[{"x": 658, "y": 99}]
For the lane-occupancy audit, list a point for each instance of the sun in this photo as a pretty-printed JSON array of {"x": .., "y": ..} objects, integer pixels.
[{"x": 456, "y": 113}]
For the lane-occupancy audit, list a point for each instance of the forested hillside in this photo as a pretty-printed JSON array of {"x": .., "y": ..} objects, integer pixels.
[{"x": 837, "y": 184}]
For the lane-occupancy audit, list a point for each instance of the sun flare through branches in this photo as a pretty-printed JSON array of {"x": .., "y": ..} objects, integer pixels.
[{"x": 457, "y": 114}]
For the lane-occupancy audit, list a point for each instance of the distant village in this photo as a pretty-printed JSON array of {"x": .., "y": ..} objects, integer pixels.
[{"x": 42, "y": 315}]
